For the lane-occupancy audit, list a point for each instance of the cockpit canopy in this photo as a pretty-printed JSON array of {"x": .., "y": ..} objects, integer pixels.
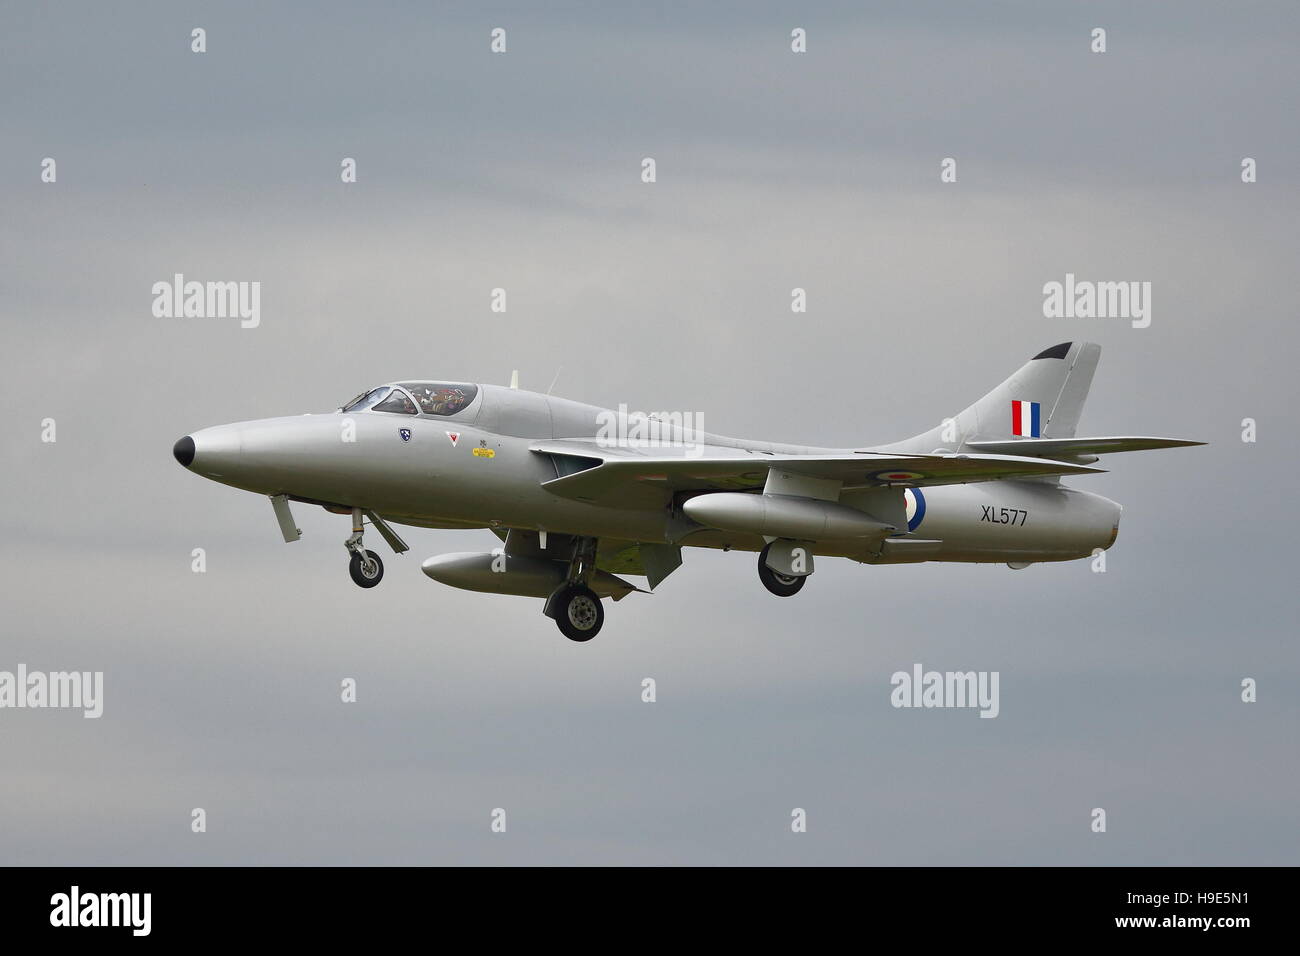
[{"x": 410, "y": 398}]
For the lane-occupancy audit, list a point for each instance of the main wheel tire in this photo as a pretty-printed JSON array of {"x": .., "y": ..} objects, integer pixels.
[
  {"x": 366, "y": 573},
  {"x": 782, "y": 585},
  {"x": 579, "y": 614}
]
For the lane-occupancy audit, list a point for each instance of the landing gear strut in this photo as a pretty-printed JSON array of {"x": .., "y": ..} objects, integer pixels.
[
  {"x": 782, "y": 585},
  {"x": 365, "y": 567},
  {"x": 574, "y": 606}
]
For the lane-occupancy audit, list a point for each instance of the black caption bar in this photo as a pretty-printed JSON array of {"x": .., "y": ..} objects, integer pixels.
[{"x": 374, "y": 903}]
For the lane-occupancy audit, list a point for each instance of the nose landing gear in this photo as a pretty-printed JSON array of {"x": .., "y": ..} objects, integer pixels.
[{"x": 365, "y": 567}]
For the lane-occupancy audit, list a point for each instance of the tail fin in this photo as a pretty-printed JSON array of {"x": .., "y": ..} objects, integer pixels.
[{"x": 1042, "y": 399}]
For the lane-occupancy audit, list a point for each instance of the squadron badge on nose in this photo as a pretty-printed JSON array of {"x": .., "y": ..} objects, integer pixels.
[{"x": 405, "y": 433}]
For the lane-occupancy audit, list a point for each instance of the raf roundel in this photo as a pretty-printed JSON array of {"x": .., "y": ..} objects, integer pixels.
[
  {"x": 914, "y": 503},
  {"x": 897, "y": 475}
]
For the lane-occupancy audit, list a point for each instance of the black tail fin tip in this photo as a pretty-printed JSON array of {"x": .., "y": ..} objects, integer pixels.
[{"x": 1056, "y": 351}]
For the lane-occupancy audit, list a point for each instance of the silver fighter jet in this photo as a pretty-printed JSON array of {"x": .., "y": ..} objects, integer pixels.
[{"x": 581, "y": 496}]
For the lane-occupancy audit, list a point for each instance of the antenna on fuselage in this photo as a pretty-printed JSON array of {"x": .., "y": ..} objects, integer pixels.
[
  {"x": 554, "y": 380},
  {"x": 514, "y": 379}
]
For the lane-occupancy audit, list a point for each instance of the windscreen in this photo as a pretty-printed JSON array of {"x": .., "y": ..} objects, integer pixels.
[
  {"x": 397, "y": 402},
  {"x": 366, "y": 399}
]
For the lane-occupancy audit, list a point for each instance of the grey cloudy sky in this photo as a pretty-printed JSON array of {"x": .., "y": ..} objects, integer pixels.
[{"x": 1118, "y": 690}]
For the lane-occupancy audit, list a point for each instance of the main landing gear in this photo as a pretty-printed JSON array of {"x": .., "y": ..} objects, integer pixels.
[
  {"x": 578, "y": 612},
  {"x": 575, "y": 607},
  {"x": 782, "y": 585}
]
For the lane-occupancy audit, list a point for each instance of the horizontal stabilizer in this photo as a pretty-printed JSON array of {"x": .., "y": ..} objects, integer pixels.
[{"x": 1068, "y": 448}]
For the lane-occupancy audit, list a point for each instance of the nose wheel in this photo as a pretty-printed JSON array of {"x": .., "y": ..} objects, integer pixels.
[{"x": 366, "y": 568}]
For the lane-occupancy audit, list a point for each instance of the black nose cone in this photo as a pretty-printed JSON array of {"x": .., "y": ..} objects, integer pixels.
[{"x": 184, "y": 450}]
